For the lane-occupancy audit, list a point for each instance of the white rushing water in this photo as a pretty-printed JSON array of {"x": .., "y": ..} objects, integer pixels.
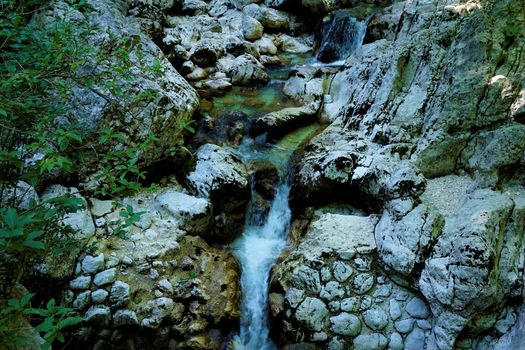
[{"x": 256, "y": 251}]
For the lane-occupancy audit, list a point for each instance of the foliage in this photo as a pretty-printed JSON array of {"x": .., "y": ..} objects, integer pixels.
[
  {"x": 127, "y": 217},
  {"x": 52, "y": 320}
]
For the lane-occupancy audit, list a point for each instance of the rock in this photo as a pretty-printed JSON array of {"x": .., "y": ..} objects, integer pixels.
[
  {"x": 417, "y": 308},
  {"x": 469, "y": 243},
  {"x": 165, "y": 286},
  {"x": 21, "y": 195},
  {"x": 276, "y": 302},
  {"x": 192, "y": 214},
  {"x": 375, "y": 318},
  {"x": 396, "y": 342},
  {"x": 373, "y": 341},
  {"x": 291, "y": 45},
  {"x": 312, "y": 312},
  {"x": 342, "y": 271},
  {"x": 332, "y": 290},
  {"x": 197, "y": 74},
  {"x": 105, "y": 277},
  {"x": 517, "y": 109},
  {"x": 345, "y": 324},
  {"x": 174, "y": 99},
  {"x": 125, "y": 318},
  {"x": 206, "y": 52},
  {"x": 279, "y": 123},
  {"x": 82, "y": 300},
  {"x": 294, "y": 297},
  {"x": 362, "y": 283},
  {"x": 99, "y": 296},
  {"x": 252, "y": 29},
  {"x": 119, "y": 295},
  {"x": 404, "y": 240},
  {"x": 80, "y": 283},
  {"x": 220, "y": 176},
  {"x": 265, "y": 46},
  {"x": 160, "y": 308},
  {"x": 101, "y": 207},
  {"x": 247, "y": 70},
  {"x": 306, "y": 278},
  {"x": 415, "y": 340},
  {"x": 395, "y": 309},
  {"x": 404, "y": 326},
  {"x": 194, "y": 7},
  {"x": 269, "y": 17},
  {"x": 92, "y": 264},
  {"x": 98, "y": 316}
]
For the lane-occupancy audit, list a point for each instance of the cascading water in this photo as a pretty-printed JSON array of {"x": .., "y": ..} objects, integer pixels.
[
  {"x": 257, "y": 251},
  {"x": 340, "y": 36}
]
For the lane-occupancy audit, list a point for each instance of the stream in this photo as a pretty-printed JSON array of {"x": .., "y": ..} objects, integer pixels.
[{"x": 265, "y": 237}]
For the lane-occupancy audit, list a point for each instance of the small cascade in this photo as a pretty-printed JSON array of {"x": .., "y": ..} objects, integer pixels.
[{"x": 339, "y": 36}]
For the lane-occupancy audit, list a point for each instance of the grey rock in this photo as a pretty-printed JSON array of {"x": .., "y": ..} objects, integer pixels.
[
  {"x": 415, "y": 340},
  {"x": 192, "y": 214},
  {"x": 247, "y": 70},
  {"x": 252, "y": 29},
  {"x": 120, "y": 293},
  {"x": 417, "y": 308},
  {"x": 362, "y": 283},
  {"x": 336, "y": 344},
  {"x": 294, "y": 297},
  {"x": 326, "y": 274},
  {"x": 99, "y": 296},
  {"x": 396, "y": 342},
  {"x": 342, "y": 271},
  {"x": 101, "y": 207},
  {"x": 319, "y": 337},
  {"x": 82, "y": 300},
  {"x": 374, "y": 341},
  {"x": 306, "y": 278},
  {"x": 105, "y": 277},
  {"x": 125, "y": 318},
  {"x": 332, "y": 290},
  {"x": 375, "y": 318},
  {"x": 80, "y": 283},
  {"x": 278, "y": 123},
  {"x": 350, "y": 304},
  {"x": 165, "y": 286},
  {"x": 404, "y": 326},
  {"x": 345, "y": 324},
  {"x": 424, "y": 324},
  {"x": 160, "y": 309},
  {"x": 98, "y": 315},
  {"x": 395, "y": 309},
  {"x": 92, "y": 264},
  {"x": 312, "y": 312},
  {"x": 21, "y": 195}
]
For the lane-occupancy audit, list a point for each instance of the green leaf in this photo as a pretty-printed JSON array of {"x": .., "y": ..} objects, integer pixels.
[{"x": 35, "y": 245}]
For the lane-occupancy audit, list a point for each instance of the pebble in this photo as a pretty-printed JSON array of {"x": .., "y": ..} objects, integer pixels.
[
  {"x": 82, "y": 300},
  {"x": 342, "y": 271},
  {"x": 80, "y": 283},
  {"x": 165, "y": 286},
  {"x": 119, "y": 295},
  {"x": 374, "y": 341},
  {"x": 92, "y": 264},
  {"x": 404, "y": 326},
  {"x": 415, "y": 340},
  {"x": 99, "y": 296},
  {"x": 395, "y": 309},
  {"x": 417, "y": 308},
  {"x": 345, "y": 324},
  {"x": 98, "y": 315},
  {"x": 396, "y": 342},
  {"x": 375, "y": 318}
]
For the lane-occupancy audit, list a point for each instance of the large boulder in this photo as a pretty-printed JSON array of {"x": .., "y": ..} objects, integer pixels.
[
  {"x": 473, "y": 265},
  {"x": 281, "y": 122},
  {"x": 245, "y": 70},
  {"x": 170, "y": 99}
]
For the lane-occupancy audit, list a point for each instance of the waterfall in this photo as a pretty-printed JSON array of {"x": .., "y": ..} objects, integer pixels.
[
  {"x": 339, "y": 37},
  {"x": 256, "y": 251}
]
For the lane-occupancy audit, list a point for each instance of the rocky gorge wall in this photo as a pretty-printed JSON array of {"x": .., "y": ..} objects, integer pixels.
[{"x": 408, "y": 208}]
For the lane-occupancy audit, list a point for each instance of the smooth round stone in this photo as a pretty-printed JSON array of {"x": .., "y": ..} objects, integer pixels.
[
  {"x": 363, "y": 282},
  {"x": 396, "y": 342},
  {"x": 99, "y": 296},
  {"x": 417, "y": 308},
  {"x": 374, "y": 341},
  {"x": 415, "y": 340},
  {"x": 404, "y": 326}
]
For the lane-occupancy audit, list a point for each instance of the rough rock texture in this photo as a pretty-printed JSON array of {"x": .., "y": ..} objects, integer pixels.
[
  {"x": 279, "y": 123},
  {"x": 157, "y": 286},
  {"x": 425, "y": 131},
  {"x": 172, "y": 98},
  {"x": 221, "y": 177}
]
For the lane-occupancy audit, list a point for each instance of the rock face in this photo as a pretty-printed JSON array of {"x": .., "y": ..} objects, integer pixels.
[
  {"x": 157, "y": 285},
  {"x": 221, "y": 177},
  {"x": 434, "y": 146},
  {"x": 172, "y": 98}
]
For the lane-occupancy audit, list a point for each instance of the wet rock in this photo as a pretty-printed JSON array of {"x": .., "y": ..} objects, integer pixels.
[
  {"x": 306, "y": 278},
  {"x": 246, "y": 70},
  {"x": 291, "y": 44},
  {"x": 206, "y": 52},
  {"x": 252, "y": 29},
  {"x": 82, "y": 300},
  {"x": 197, "y": 74},
  {"x": 265, "y": 46},
  {"x": 396, "y": 342},
  {"x": 294, "y": 297},
  {"x": 279, "y": 123}
]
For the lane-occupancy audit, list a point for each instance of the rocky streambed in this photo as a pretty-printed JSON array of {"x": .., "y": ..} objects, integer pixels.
[{"x": 375, "y": 200}]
